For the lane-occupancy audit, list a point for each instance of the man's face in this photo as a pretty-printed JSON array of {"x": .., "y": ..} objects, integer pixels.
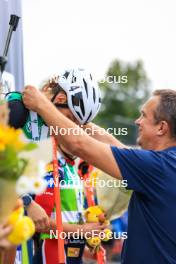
[
  {"x": 60, "y": 98},
  {"x": 147, "y": 128}
]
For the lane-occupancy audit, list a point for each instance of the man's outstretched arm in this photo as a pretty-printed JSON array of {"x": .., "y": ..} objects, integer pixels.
[
  {"x": 102, "y": 135},
  {"x": 80, "y": 144}
]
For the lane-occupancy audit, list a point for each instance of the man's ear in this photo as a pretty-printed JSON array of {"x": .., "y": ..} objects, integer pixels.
[
  {"x": 61, "y": 98},
  {"x": 163, "y": 128}
]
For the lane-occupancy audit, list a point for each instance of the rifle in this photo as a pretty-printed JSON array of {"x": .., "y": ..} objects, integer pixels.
[{"x": 3, "y": 59}]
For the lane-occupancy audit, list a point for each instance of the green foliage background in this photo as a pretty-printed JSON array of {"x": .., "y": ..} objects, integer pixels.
[{"x": 121, "y": 101}]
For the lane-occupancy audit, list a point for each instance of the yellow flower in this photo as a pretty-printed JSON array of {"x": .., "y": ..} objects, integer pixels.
[
  {"x": 2, "y": 146},
  {"x": 10, "y": 137},
  {"x": 3, "y": 139}
]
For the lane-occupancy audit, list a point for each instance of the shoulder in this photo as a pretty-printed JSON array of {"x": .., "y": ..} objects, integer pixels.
[{"x": 134, "y": 153}]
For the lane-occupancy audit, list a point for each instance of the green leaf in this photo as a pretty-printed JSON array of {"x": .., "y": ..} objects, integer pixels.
[{"x": 30, "y": 146}]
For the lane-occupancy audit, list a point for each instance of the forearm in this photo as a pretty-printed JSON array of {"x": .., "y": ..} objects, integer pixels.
[
  {"x": 56, "y": 121},
  {"x": 102, "y": 135},
  {"x": 72, "y": 228},
  {"x": 77, "y": 143},
  {"x": 86, "y": 229},
  {"x": 66, "y": 227}
]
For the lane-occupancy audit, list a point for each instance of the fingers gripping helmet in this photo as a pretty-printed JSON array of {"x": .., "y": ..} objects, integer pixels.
[{"x": 83, "y": 94}]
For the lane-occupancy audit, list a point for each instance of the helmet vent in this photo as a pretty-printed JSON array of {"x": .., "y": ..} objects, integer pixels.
[
  {"x": 78, "y": 101},
  {"x": 79, "y": 115},
  {"x": 94, "y": 94},
  {"x": 66, "y": 74},
  {"x": 73, "y": 79},
  {"x": 82, "y": 107},
  {"x": 88, "y": 117},
  {"x": 75, "y": 101},
  {"x": 85, "y": 85}
]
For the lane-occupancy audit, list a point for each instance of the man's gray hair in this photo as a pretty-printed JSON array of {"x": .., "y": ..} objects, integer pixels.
[{"x": 166, "y": 109}]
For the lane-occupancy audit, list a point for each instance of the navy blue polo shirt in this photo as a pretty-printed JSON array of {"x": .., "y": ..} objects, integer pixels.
[{"x": 152, "y": 208}]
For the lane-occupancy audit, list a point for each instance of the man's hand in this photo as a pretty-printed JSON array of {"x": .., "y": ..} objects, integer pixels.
[
  {"x": 33, "y": 98},
  {"x": 39, "y": 216},
  {"x": 90, "y": 229}
]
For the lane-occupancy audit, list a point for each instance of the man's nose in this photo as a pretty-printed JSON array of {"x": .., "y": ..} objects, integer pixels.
[{"x": 137, "y": 121}]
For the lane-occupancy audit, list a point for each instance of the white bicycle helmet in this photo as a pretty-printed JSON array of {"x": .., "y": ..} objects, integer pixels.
[{"x": 83, "y": 94}]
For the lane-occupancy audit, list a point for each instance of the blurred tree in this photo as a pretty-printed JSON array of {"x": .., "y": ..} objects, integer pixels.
[{"x": 124, "y": 89}]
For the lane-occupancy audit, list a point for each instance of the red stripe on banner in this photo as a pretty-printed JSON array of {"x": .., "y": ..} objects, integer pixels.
[{"x": 61, "y": 255}]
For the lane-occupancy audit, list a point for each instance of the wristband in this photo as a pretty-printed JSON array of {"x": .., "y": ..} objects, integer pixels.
[{"x": 27, "y": 199}]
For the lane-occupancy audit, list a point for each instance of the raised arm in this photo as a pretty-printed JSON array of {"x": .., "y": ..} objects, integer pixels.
[
  {"x": 102, "y": 135},
  {"x": 80, "y": 144}
]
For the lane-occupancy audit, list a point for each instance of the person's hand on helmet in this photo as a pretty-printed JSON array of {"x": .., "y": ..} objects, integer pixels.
[{"x": 33, "y": 98}]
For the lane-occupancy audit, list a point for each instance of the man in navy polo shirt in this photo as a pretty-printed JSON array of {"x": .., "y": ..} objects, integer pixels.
[{"x": 150, "y": 172}]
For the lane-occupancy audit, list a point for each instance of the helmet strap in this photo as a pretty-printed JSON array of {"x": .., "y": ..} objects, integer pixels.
[
  {"x": 61, "y": 105},
  {"x": 54, "y": 96}
]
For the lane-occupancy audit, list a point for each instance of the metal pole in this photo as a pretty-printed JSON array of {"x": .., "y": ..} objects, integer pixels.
[{"x": 3, "y": 59}]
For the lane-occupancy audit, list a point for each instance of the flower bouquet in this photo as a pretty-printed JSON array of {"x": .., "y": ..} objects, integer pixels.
[
  {"x": 22, "y": 167},
  {"x": 11, "y": 164}
]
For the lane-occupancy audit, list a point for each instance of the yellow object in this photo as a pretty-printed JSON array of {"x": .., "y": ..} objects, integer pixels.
[
  {"x": 108, "y": 235},
  {"x": 73, "y": 252},
  {"x": 92, "y": 214},
  {"x": 49, "y": 167},
  {"x": 22, "y": 231},
  {"x": 23, "y": 227},
  {"x": 15, "y": 216},
  {"x": 10, "y": 137},
  {"x": 93, "y": 241},
  {"x": 95, "y": 214},
  {"x": 93, "y": 177}
]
